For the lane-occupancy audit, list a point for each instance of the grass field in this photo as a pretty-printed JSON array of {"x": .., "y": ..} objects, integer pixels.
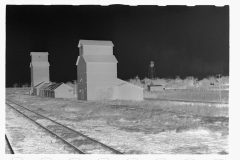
[
  {"x": 189, "y": 94},
  {"x": 17, "y": 90},
  {"x": 192, "y": 124}
]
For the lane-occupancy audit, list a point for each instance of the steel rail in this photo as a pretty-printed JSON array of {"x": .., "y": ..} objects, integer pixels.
[
  {"x": 89, "y": 138},
  {"x": 8, "y": 144}
]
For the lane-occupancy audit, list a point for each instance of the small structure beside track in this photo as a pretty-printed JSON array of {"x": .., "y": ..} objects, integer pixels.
[{"x": 152, "y": 87}]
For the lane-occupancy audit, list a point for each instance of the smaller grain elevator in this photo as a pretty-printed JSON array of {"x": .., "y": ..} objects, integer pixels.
[{"x": 39, "y": 68}]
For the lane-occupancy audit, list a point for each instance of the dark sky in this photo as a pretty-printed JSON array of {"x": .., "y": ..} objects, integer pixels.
[{"x": 182, "y": 41}]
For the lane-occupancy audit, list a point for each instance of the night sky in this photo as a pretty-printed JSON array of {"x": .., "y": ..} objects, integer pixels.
[{"x": 182, "y": 41}]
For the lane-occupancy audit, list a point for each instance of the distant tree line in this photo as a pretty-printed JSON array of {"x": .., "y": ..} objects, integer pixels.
[
  {"x": 188, "y": 82},
  {"x": 177, "y": 82},
  {"x": 19, "y": 85}
]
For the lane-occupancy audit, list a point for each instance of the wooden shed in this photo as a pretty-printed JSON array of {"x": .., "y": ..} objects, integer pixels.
[
  {"x": 42, "y": 89},
  {"x": 97, "y": 73},
  {"x": 35, "y": 89},
  {"x": 56, "y": 90}
]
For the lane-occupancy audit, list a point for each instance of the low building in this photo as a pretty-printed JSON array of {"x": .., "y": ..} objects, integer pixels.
[
  {"x": 152, "y": 87},
  {"x": 127, "y": 91},
  {"x": 56, "y": 90},
  {"x": 35, "y": 89},
  {"x": 41, "y": 89}
]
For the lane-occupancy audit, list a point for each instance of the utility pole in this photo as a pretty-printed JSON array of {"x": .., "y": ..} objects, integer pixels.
[{"x": 219, "y": 89}]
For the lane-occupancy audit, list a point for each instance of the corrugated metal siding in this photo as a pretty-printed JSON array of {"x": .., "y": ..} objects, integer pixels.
[
  {"x": 48, "y": 93},
  {"x": 38, "y": 88},
  {"x": 47, "y": 89},
  {"x": 97, "y": 50},
  {"x": 42, "y": 88}
]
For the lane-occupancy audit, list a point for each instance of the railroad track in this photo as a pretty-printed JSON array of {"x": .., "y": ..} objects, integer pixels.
[
  {"x": 80, "y": 143},
  {"x": 186, "y": 101},
  {"x": 8, "y": 145}
]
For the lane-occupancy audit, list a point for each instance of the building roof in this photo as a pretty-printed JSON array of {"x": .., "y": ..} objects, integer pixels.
[
  {"x": 95, "y": 43},
  {"x": 38, "y": 53},
  {"x": 156, "y": 86},
  {"x": 122, "y": 82},
  {"x": 100, "y": 58},
  {"x": 151, "y": 84},
  {"x": 38, "y": 84},
  {"x": 44, "y": 86},
  {"x": 67, "y": 85},
  {"x": 52, "y": 86}
]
